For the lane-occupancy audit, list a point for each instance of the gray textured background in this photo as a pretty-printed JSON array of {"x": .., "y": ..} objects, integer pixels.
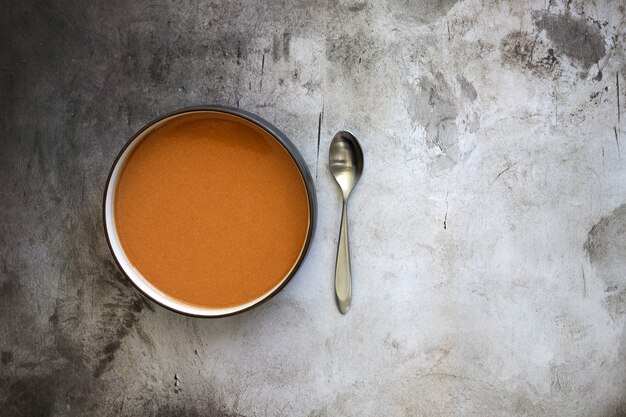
[{"x": 488, "y": 230}]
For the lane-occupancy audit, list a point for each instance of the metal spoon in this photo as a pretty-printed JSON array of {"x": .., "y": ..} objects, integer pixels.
[{"x": 346, "y": 164}]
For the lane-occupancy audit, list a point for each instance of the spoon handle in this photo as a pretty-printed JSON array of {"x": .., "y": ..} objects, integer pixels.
[{"x": 343, "y": 276}]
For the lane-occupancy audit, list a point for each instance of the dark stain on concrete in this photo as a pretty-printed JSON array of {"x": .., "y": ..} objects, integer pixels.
[
  {"x": 286, "y": 45},
  {"x": 354, "y": 53},
  {"x": 573, "y": 36},
  {"x": 107, "y": 354},
  {"x": 47, "y": 390},
  {"x": 618, "y": 407},
  {"x": 607, "y": 240},
  {"x": 181, "y": 410},
  {"x": 168, "y": 60},
  {"x": 526, "y": 51},
  {"x": 120, "y": 314},
  {"x": 357, "y": 7},
  {"x": 598, "y": 76},
  {"x": 622, "y": 362},
  {"x": 118, "y": 306},
  {"x": 281, "y": 46},
  {"x": 6, "y": 356},
  {"x": 126, "y": 315},
  {"x": 276, "y": 49},
  {"x": 159, "y": 67},
  {"x": 518, "y": 46},
  {"x": 422, "y": 11},
  {"x": 432, "y": 104},
  {"x": 10, "y": 280},
  {"x": 605, "y": 246},
  {"x": 65, "y": 347},
  {"x": 467, "y": 88},
  {"x": 35, "y": 395},
  {"x": 10, "y": 82}
]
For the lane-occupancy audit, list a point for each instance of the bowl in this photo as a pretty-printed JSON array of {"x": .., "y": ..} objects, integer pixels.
[{"x": 160, "y": 258}]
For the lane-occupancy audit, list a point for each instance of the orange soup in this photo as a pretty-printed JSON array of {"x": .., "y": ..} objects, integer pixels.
[{"x": 211, "y": 210}]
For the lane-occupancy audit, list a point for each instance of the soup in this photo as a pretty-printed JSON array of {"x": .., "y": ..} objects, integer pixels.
[{"x": 211, "y": 210}]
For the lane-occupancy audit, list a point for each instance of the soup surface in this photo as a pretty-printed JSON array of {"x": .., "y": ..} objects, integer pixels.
[{"x": 211, "y": 210}]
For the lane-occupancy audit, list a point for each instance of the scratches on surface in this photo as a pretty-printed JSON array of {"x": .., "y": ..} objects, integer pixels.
[
  {"x": 275, "y": 48},
  {"x": 619, "y": 153},
  {"x": 262, "y": 72},
  {"x": 445, "y": 217},
  {"x": 619, "y": 111},
  {"x": 618, "y": 129},
  {"x": 582, "y": 270},
  {"x": 503, "y": 172},
  {"x": 320, "y": 120}
]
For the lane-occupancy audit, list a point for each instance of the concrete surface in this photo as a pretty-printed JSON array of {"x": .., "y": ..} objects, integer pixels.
[{"x": 488, "y": 231}]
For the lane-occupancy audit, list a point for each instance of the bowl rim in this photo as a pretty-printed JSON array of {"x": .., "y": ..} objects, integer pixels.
[{"x": 291, "y": 149}]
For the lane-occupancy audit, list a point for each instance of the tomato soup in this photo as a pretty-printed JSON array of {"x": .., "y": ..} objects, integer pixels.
[{"x": 211, "y": 210}]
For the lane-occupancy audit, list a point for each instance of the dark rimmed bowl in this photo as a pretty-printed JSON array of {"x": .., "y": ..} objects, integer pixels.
[{"x": 141, "y": 283}]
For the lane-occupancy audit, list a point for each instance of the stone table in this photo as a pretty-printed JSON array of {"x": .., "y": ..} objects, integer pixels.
[{"x": 488, "y": 230}]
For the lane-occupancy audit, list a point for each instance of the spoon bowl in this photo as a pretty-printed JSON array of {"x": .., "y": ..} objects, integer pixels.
[{"x": 346, "y": 161}]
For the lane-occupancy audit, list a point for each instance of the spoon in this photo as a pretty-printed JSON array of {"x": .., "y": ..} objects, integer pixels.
[{"x": 346, "y": 164}]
